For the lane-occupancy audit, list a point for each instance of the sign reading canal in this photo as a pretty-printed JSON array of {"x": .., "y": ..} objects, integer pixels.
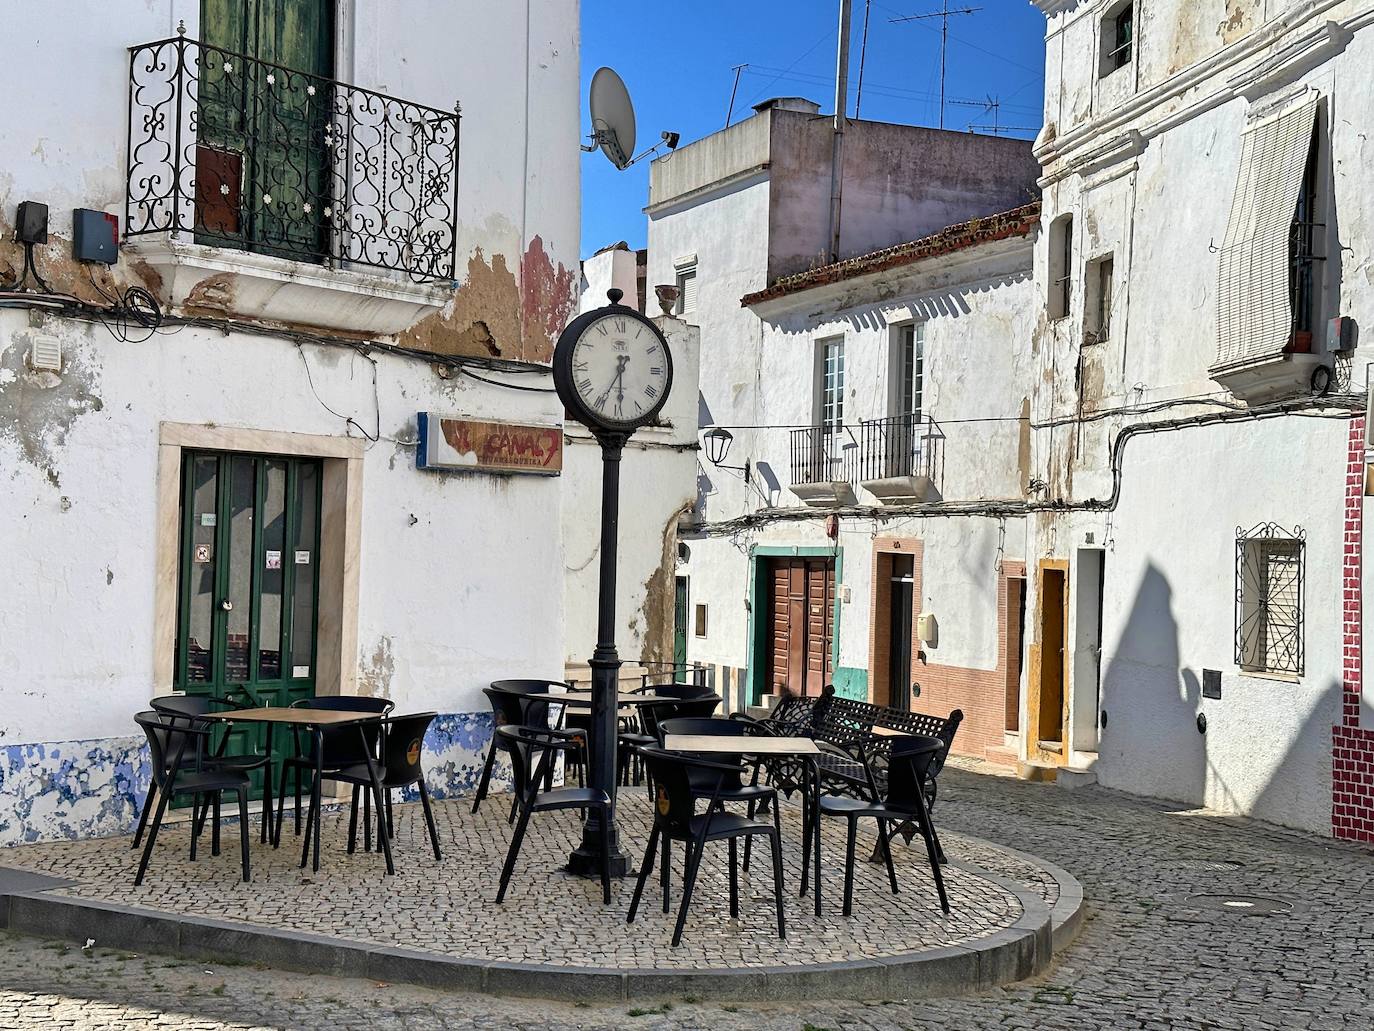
[{"x": 496, "y": 447}]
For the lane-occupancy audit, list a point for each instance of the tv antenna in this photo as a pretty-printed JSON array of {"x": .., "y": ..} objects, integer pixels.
[
  {"x": 613, "y": 122},
  {"x": 990, "y": 106},
  {"x": 944, "y": 14}
]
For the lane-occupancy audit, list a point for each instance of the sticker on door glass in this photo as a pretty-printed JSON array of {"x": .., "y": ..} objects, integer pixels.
[
  {"x": 274, "y": 560},
  {"x": 207, "y": 519},
  {"x": 300, "y": 671},
  {"x": 202, "y": 553},
  {"x": 302, "y": 558}
]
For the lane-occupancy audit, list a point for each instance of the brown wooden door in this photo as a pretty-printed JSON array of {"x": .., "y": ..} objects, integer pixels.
[{"x": 801, "y": 606}]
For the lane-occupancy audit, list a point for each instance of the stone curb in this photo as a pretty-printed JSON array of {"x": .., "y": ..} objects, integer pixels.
[{"x": 1010, "y": 954}]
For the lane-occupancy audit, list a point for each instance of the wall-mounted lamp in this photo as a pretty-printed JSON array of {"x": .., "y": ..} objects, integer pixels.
[{"x": 717, "y": 443}]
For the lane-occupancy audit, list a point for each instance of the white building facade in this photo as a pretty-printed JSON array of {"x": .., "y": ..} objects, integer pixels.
[
  {"x": 822, "y": 534},
  {"x": 243, "y": 498},
  {"x": 1198, "y": 444}
]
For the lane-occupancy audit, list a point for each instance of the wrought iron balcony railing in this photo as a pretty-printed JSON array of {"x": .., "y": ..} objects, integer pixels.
[
  {"x": 899, "y": 446},
  {"x": 233, "y": 151},
  {"x": 818, "y": 454}
]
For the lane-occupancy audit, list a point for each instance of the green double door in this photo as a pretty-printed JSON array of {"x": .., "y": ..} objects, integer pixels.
[
  {"x": 249, "y": 583},
  {"x": 264, "y": 150}
]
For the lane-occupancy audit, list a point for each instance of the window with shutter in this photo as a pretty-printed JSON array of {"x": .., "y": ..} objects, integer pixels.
[
  {"x": 1255, "y": 315},
  {"x": 687, "y": 290}
]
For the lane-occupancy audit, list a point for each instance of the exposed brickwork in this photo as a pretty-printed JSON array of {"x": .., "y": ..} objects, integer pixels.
[
  {"x": 981, "y": 693},
  {"x": 1352, "y": 761}
]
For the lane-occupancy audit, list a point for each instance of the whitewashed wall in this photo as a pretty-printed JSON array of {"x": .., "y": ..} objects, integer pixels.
[
  {"x": 1159, "y": 203},
  {"x": 459, "y": 574}
]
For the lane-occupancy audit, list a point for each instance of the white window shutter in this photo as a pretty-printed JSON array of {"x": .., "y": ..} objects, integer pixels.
[
  {"x": 1254, "y": 316},
  {"x": 687, "y": 287}
]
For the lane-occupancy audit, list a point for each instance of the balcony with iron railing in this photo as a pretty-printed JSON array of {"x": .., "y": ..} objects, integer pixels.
[
  {"x": 899, "y": 460},
  {"x": 228, "y": 153}
]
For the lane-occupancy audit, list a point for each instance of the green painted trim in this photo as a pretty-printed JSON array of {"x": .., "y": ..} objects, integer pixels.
[
  {"x": 851, "y": 683},
  {"x": 757, "y": 642}
]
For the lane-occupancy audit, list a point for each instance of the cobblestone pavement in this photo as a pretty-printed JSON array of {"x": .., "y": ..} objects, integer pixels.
[
  {"x": 448, "y": 907},
  {"x": 1151, "y": 954}
]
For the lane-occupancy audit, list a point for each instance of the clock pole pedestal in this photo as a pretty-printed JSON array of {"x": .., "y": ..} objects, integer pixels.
[{"x": 605, "y": 664}]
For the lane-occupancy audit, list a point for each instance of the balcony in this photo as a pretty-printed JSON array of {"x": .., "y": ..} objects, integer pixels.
[
  {"x": 819, "y": 460},
  {"x": 900, "y": 460},
  {"x": 242, "y": 175}
]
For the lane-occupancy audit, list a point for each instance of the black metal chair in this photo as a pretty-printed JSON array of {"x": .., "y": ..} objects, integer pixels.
[
  {"x": 511, "y": 707},
  {"x": 676, "y": 819},
  {"x": 903, "y": 801},
  {"x": 525, "y": 743},
  {"x": 168, "y": 743},
  {"x": 403, "y": 741},
  {"x": 342, "y": 746},
  {"x": 699, "y": 704},
  {"x": 184, "y": 709}
]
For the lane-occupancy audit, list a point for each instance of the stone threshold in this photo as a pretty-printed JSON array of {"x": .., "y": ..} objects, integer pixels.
[{"x": 29, "y": 906}]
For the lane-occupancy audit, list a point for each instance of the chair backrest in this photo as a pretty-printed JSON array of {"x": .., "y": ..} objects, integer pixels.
[
  {"x": 346, "y": 703},
  {"x": 672, "y": 792},
  {"x": 167, "y": 742},
  {"x": 187, "y": 706},
  {"x": 509, "y": 704},
  {"x": 342, "y": 744},
  {"x": 527, "y": 757},
  {"x": 711, "y": 725},
  {"x": 908, "y": 764},
  {"x": 405, "y": 744},
  {"x": 682, "y": 691}
]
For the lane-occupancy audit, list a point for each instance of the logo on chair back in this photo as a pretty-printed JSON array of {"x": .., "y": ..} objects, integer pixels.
[
  {"x": 413, "y": 752},
  {"x": 663, "y": 805}
]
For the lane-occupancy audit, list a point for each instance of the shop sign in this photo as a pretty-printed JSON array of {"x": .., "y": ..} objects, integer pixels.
[{"x": 497, "y": 447}]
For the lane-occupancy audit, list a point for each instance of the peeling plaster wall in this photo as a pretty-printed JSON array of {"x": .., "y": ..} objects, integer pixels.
[
  {"x": 1161, "y": 210},
  {"x": 459, "y": 574}
]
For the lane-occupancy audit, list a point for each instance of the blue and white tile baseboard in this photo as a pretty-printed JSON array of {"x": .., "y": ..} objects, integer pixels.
[{"x": 69, "y": 790}]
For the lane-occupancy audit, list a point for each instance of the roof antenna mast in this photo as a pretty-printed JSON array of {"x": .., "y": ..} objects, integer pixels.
[{"x": 944, "y": 14}]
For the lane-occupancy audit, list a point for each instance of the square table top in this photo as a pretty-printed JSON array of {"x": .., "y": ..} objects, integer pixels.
[
  {"x": 732, "y": 745},
  {"x": 302, "y": 717}
]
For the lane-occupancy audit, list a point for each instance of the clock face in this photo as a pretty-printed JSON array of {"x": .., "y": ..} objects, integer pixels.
[{"x": 620, "y": 370}]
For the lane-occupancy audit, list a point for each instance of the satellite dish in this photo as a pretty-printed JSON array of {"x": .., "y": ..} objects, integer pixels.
[{"x": 613, "y": 117}]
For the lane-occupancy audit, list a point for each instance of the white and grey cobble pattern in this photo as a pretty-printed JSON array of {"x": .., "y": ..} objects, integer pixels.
[{"x": 1146, "y": 958}]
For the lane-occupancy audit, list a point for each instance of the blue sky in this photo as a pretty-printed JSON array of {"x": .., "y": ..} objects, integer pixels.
[{"x": 677, "y": 58}]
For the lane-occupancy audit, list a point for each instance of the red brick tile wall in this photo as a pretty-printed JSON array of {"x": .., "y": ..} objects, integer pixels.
[{"x": 1352, "y": 763}]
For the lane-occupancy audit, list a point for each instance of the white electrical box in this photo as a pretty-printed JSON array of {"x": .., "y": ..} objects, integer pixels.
[{"x": 928, "y": 629}]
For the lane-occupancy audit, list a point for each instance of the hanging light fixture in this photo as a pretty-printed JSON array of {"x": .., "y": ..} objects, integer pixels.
[{"x": 717, "y": 441}]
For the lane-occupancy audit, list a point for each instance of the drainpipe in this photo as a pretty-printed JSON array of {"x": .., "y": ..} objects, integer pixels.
[{"x": 837, "y": 136}]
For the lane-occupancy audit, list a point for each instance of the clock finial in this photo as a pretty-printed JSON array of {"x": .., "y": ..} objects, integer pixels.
[{"x": 614, "y": 294}]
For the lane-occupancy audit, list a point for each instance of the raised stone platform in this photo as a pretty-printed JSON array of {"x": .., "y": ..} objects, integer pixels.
[{"x": 436, "y": 923}]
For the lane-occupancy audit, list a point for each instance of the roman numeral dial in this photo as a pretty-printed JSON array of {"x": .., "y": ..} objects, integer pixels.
[{"x": 619, "y": 367}]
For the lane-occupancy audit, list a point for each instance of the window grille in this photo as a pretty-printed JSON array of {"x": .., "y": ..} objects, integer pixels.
[{"x": 1270, "y": 571}]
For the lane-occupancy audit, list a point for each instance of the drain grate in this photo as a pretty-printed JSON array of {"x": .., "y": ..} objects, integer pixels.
[
  {"x": 1210, "y": 865},
  {"x": 1242, "y": 905}
]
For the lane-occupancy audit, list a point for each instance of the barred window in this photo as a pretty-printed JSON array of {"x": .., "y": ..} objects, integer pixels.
[{"x": 1270, "y": 563}]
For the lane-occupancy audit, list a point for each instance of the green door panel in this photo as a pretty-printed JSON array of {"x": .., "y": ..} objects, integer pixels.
[
  {"x": 249, "y": 584},
  {"x": 263, "y": 172}
]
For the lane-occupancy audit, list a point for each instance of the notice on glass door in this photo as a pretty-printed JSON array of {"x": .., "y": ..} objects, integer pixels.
[{"x": 274, "y": 560}]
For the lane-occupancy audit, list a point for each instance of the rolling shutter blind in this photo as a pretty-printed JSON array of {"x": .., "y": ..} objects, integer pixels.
[
  {"x": 687, "y": 287},
  {"x": 1254, "y": 313}
]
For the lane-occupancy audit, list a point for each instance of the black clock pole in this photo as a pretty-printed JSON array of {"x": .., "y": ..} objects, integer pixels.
[{"x": 605, "y": 664}]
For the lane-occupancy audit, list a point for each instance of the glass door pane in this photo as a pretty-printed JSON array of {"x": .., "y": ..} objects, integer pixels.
[
  {"x": 197, "y": 641},
  {"x": 273, "y": 571},
  {"x": 238, "y": 593},
  {"x": 303, "y": 559}
]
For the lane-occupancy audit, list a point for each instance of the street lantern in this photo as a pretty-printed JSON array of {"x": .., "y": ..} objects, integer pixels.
[{"x": 717, "y": 441}]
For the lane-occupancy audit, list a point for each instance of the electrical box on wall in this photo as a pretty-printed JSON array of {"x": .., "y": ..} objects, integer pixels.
[
  {"x": 928, "y": 629},
  {"x": 31, "y": 222},
  {"x": 1340, "y": 334},
  {"x": 95, "y": 236}
]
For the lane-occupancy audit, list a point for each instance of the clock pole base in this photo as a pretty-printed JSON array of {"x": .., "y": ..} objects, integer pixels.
[{"x": 586, "y": 862}]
